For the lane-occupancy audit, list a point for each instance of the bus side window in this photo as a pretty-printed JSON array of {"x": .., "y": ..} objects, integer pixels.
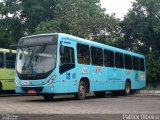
[
  {"x": 119, "y": 62},
  {"x": 83, "y": 54},
  {"x": 10, "y": 60},
  {"x": 1, "y": 60},
  {"x": 97, "y": 56},
  {"x": 128, "y": 61},
  {"x": 142, "y": 68},
  {"x": 108, "y": 58},
  {"x": 135, "y": 63},
  {"x": 67, "y": 59}
]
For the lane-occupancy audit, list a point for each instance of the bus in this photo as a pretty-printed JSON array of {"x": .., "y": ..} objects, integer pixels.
[
  {"x": 7, "y": 66},
  {"x": 58, "y": 63}
]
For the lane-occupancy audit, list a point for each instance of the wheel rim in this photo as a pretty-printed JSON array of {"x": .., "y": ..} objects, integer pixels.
[
  {"x": 127, "y": 88},
  {"x": 82, "y": 91}
]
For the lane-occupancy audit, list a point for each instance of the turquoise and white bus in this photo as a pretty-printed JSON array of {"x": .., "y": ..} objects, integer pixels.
[{"x": 57, "y": 63}]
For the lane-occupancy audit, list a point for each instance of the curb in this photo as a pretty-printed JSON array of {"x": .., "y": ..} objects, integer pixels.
[{"x": 149, "y": 91}]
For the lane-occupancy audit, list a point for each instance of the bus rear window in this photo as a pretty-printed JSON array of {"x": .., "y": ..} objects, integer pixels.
[
  {"x": 10, "y": 60},
  {"x": 1, "y": 60},
  {"x": 142, "y": 68},
  {"x": 135, "y": 63}
]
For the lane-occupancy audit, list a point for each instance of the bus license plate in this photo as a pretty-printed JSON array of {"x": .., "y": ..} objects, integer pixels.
[{"x": 31, "y": 91}]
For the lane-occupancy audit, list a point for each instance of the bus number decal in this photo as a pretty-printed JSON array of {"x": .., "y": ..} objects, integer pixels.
[{"x": 84, "y": 70}]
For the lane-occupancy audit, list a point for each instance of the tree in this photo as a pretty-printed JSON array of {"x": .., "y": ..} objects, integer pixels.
[
  {"x": 139, "y": 24},
  {"x": 35, "y": 11},
  {"x": 11, "y": 28},
  {"x": 141, "y": 31},
  {"x": 83, "y": 18}
]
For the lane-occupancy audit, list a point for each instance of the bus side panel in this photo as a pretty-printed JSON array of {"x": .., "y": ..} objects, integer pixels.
[
  {"x": 97, "y": 78},
  {"x": 68, "y": 82},
  {"x": 119, "y": 79},
  {"x": 83, "y": 71},
  {"x": 7, "y": 79},
  {"x": 139, "y": 80}
]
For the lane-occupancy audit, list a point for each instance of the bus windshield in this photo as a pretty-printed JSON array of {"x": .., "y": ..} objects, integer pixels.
[{"x": 36, "y": 59}]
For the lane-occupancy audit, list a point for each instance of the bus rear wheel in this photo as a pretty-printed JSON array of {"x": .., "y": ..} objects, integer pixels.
[
  {"x": 48, "y": 97},
  {"x": 127, "y": 90},
  {"x": 81, "y": 95},
  {"x": 100, "y": 94}
]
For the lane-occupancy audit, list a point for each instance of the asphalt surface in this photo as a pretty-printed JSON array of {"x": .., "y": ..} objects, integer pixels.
[{"x": 65, "y": 106}]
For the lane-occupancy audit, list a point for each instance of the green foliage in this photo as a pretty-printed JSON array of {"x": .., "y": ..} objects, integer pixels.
[
  {"x": 139, "y": 24},
  {"x": 35, "y": 11},
  {"x": 153, "y": 68},
  {"x": 11, "y": 28},
  {"x": 141, "y": 30},
  {"x": 83, "y": 18}
]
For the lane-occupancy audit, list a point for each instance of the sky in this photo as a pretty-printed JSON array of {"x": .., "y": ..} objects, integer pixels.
[{"x": 120, "y": 7}]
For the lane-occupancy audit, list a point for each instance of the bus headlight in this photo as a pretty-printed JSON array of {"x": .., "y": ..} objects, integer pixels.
[{"x": 51, "y": 80}]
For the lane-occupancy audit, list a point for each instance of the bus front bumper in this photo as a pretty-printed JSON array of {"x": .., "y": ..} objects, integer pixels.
[{"x": 38, "y": 89}]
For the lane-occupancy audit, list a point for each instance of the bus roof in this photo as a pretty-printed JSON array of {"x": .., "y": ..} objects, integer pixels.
[
  {"x": 100, "y": 45},
  {"x": 6, "y": 50},
  {"x": 91, "y": 43}
]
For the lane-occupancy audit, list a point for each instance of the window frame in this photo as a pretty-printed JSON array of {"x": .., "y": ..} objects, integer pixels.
[
  {"x": 97, "y": 57},
  {"x": 9, "y": 61},
  {"x": 142, "y": 67},
  {"x": 126, "y": 65},
  {"x": 109, "y": 59},
  {"x": 135, "y": 67},
  {"x": 120, "y": 62},
  {"x": 84, "y": 57},
  {"x": 67, "y": 66},
  {"x": 3, "y": 61}
]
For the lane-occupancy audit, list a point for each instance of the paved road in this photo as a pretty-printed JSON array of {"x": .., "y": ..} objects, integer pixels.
[{"x": 134, "y": 104}]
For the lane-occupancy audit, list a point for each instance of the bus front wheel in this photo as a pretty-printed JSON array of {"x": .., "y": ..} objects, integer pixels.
[
  {"x": 100, "y": 94},
  {"x": 48, "y": 97},
  {"x": 81, "y": 95}
]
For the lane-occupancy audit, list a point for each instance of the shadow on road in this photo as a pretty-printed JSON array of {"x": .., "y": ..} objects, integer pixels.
[{"x": 65, "y": 98}]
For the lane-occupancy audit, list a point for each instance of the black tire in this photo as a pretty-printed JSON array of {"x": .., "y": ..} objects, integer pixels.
[
  {"x": 100, "y": 94},
  {"x": 48, "y": 97},
  {"x": 81, "y": 95},
  {"x": 127, "y": 90}
]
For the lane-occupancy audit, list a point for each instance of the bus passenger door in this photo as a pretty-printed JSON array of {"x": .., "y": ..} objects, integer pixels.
[{"x": 67, "y": 67}]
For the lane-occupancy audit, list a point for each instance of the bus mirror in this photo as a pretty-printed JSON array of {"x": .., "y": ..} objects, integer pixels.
[
  {"x": 11, "y": 47},
  {"x": 14, "y": 46}
]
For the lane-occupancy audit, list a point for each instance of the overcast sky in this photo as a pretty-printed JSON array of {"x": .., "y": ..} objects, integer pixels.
[{"x": 120, "y": 7}]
